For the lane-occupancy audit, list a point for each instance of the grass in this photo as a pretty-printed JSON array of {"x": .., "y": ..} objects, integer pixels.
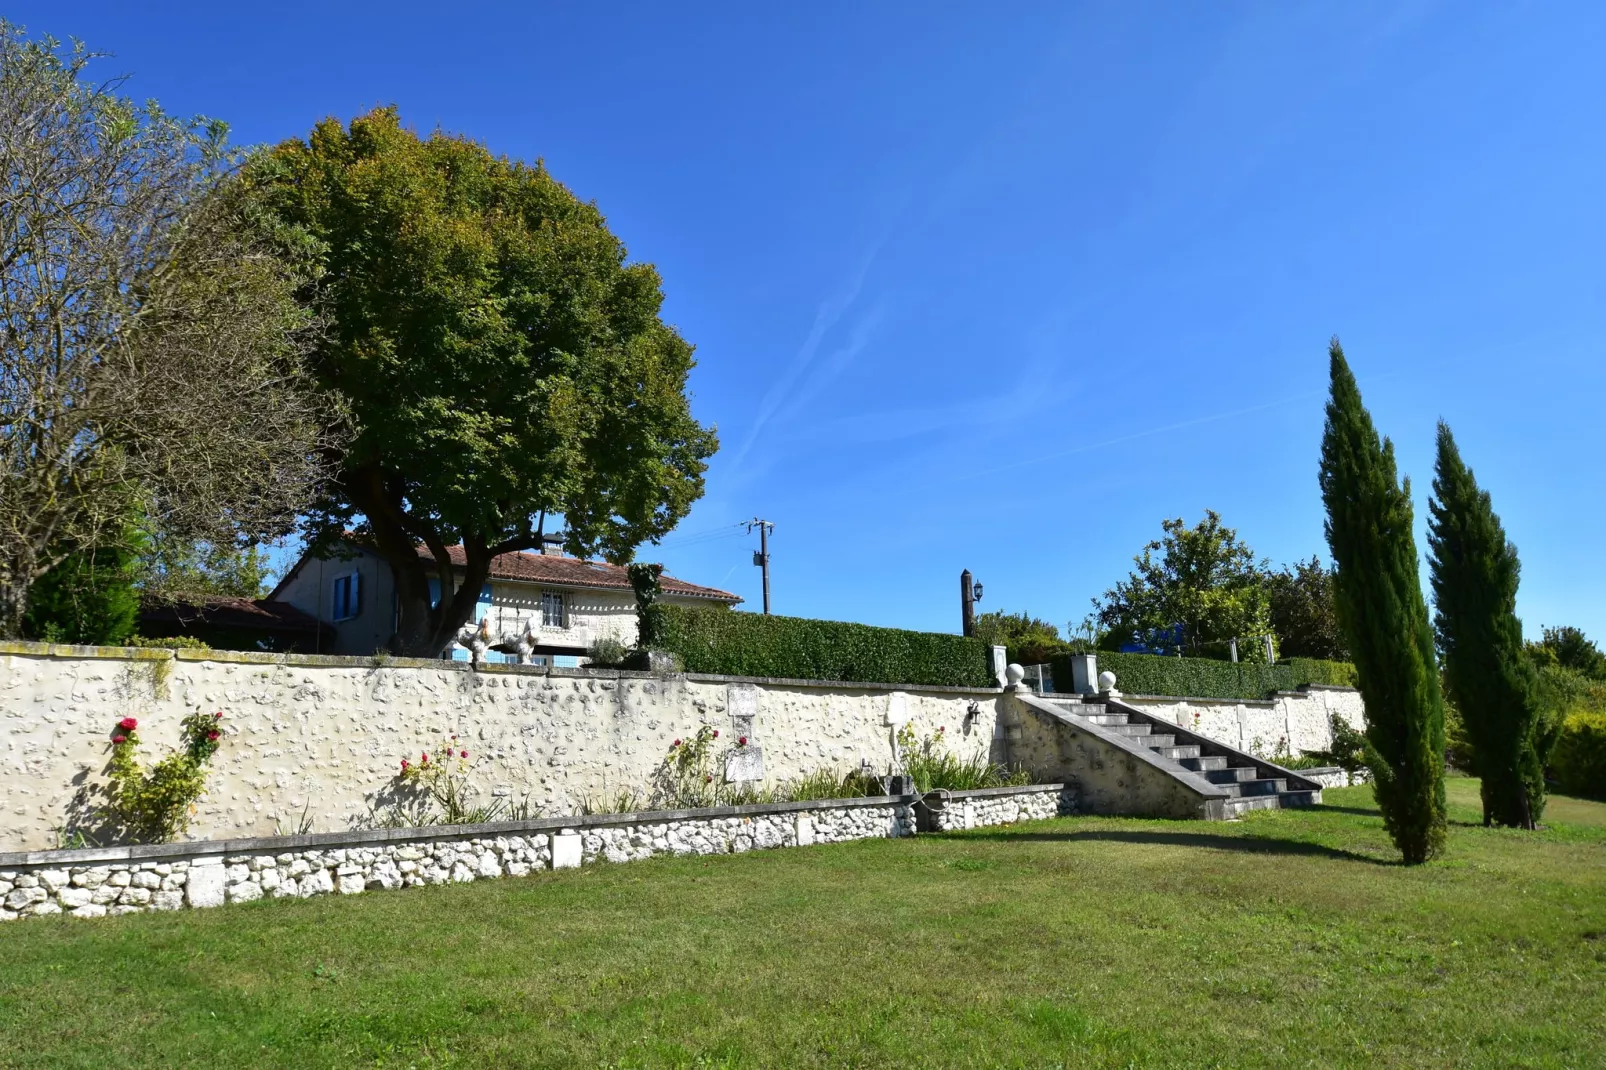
[{"x": 1289, "y": 939}]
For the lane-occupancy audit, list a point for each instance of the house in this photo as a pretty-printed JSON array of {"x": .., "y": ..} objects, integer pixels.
[{"x": 569, "y": 602}]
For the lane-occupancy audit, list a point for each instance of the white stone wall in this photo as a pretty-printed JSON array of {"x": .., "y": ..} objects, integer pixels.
[
  {"x": 1297, "y": 720},
  {"x": 91, "y": 884},
  {"x": 325, "y": 737},
  {"x": 998, "y": 807}
]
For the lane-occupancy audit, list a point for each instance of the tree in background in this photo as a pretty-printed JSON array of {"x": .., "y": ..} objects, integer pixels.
[
  {"x": 174, "y": 568},
  {"x": 152, "y": 353},
  {"x": 1569, "y": 648},
  {"x": 1302, "y": 611},
  {"x": 89, "y": 598},
  {"x": 1487, "y": 673},
  {"x": 1193, "y": 590},
  {"x": 1384, "y": 618},
  {"x": 1030, "y": 641},
  {"x": 502, "y": 362}
]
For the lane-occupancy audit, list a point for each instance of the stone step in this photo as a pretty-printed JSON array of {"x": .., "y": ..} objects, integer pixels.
[
  {"x": 1203, "y": 765},
  {"x": 1130, "y": 729},
  {"x": 1230, "y": 774},
  {"x": 1174, "y": 753},
  {"x": 1106, "y": 719},
  {"x": 1299, "y": 798},
  {"x": 1262, "y": 787},
  {"x": 1236, "y": 807},
  {"x": 1161, "y": 740}
]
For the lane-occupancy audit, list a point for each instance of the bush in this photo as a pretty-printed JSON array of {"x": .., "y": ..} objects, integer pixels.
[
  {"x": 156, "y": 806},
  {"x": 607, "y": 652},
  {"x": 166, "y": 642},
  {"x": 1579, "y": 760},
  {"x": 751, "y": 644},
  {"x": 1150, "y": 674},
  {"x": 1317, "y": 671}
]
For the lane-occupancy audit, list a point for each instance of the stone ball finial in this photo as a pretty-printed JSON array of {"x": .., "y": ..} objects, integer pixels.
[
  {"x": 1107, "y": 681},
  {"x": 1013, "y": 675}
]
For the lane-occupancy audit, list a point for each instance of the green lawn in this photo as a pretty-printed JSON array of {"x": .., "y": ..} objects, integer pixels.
[{"x": 1288, "y": 939}]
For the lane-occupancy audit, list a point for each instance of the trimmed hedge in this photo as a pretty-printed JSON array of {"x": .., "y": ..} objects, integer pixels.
[
  {"x": 1317, "y": 671},
  {"x": 751, "y": 644},
  {"x": 1150, "y": 674},
  {"x": 1579, "y": 760}
]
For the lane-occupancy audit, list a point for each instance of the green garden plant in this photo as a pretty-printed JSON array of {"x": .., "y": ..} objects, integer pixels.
[
  {"x": 447, "y": 792},
  {"x": 932, "y": 766},
  {"x": 156, "y": 806},
  {"x": 1384, "y": 618}
]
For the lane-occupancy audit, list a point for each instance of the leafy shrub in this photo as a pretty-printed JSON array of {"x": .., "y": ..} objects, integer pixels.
[
  {"x": 1579, "y": 760},
  {"x": 445, "y": 795},
  {"x": 607, "y": 652},
  {"x": 933, "y": 767},
  {"x": 156, "y": 806},
  {"x": 830, "y": 784},
  {"x": 751, "y": 644}
]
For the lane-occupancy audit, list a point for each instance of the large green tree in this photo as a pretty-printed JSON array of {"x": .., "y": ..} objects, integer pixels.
[
  {"x": 1487, "y": 673},
  {"x": 1569, "y": 648},
  {"x": 1191, "y": 592},
  {"x": 1384, "y": 617},
  {"x": 1302, "y": 611},
  {"x": 150, "y": 347},
  {"x": 503, "y": 363}
]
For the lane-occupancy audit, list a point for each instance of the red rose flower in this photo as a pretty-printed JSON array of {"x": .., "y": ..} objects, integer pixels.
[
  {"x": 676, "y": 743},
  {"x": 716, "y": 733},
  {"x": 213, "y": 734},
  {"x": 707, "y": 778},
  {"x": 119, "y": 739},
  {"x": 742, "y": 742},
  {"x": 128, "y": 724},
  {"x": 218, "y": 716},
  {"x": 404, "y": 763},
  {"x": 425, "y": 760},
  {"x": 465, "y": 754}
]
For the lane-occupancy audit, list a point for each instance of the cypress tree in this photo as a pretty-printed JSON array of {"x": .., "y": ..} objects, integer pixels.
[
  {"x": 1378, "y": 598},
  {"x": 1486, "y": 670}
]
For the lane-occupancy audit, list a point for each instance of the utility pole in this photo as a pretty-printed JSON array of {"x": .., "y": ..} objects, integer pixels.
[
  {"x": 762, "y": 557},
  {"x": 967, "y": 603}
]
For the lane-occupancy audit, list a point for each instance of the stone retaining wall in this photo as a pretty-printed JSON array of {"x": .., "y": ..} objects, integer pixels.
[
  {"x": 323, "y": 737},
  {"x": 123, "y": 880}
]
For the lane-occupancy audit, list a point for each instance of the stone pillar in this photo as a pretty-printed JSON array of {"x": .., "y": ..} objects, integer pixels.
[{"x": 1084, "y": 673}]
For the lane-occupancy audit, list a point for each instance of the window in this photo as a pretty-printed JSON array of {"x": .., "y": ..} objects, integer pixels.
[
  {"x": 345, "y": 601},
  {"x": 552, "y": 615}
]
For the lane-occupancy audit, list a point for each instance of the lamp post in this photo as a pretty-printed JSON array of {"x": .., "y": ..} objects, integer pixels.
[{"x": 969, "y": 595}]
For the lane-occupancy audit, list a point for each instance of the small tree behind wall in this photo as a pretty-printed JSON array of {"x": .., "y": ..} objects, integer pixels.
[{"x": 1384, "y": 617}]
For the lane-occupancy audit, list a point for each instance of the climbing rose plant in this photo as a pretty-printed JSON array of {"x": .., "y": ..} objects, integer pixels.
[
  {"x": 156, "y": 806},
  {"x": 442, "y": 775}
]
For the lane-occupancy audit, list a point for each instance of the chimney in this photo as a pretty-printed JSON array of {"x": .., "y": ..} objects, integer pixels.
[{"x": 552, "y": 546}]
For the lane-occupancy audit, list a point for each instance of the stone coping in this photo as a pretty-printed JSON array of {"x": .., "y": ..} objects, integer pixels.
[
  {"x": 192, "y": 849},
  {"x": 374, "y": 662}
]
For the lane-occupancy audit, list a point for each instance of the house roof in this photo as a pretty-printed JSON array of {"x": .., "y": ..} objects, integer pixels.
[
  {"x": 227, "y": 611},
  {"x": 561, "y": 571}
]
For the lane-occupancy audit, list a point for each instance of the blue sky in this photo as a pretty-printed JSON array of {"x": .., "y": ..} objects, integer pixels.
[{"x": 1002, "y": 286}]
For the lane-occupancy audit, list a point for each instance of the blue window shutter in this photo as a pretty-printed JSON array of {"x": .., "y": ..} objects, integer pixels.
[{"x": 434, "y": 593}]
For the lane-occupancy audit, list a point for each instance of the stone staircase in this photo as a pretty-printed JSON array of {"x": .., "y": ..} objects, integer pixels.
[{"x": 1240, "y": 775}]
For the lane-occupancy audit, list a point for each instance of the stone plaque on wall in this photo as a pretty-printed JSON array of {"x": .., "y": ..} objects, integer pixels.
[
  {"x": 741, "y": 702},
  {"x": 744, "y": 763},
  {"x": 897, "y": 708}
]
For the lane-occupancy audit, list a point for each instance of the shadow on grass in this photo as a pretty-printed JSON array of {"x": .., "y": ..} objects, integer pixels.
[
  {"x": 1364, "y": 811},
  {"x": 1242, "y": 844}
]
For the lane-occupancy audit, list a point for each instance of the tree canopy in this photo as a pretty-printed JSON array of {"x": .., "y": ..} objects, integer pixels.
[
  {"x": 1302, "y": 611},
  {"x": 502, "y": 362},
  {"x": 152, "y": 350},
  {"x": 1192, "y": 591}
]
